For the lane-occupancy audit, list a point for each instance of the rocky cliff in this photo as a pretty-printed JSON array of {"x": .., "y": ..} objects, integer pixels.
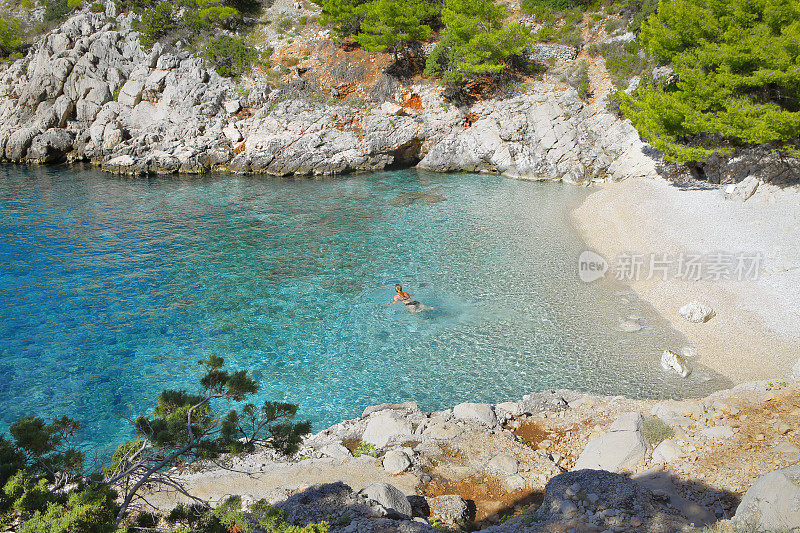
[{"x": 89, "y": 91}]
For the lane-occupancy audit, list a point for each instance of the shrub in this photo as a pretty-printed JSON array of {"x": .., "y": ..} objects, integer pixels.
[
  {"x": 624, "y": 61},
  {"x": 231, "y": 56},
  {"x": 738, "y": 68},
  {"x": 55, "y": 10},
  {"x": 578, "y": 79},
  {"x": 74, "y": 4},
  {"x": 365, "y": 448},
  {"x": 10, "y": 36},
  {"x": 97, "y": 7},
  {"x": 157, "y": 22},
  {"x": 655, "y": 431}
]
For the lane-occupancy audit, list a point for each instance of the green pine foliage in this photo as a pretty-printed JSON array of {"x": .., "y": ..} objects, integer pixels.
[
  {"x": 343, "y": 16},
  {"x": 389, "y": 25},
  {"x": 474, "y": 42},
  {"x": 738, "y": 68}
]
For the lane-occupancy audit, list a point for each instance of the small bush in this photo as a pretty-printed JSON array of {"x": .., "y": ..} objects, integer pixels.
[
  {"x": 365, "y": 448},
  {"x": 578, "y": 79},
  {"x": 656, "y": 431},
  {"x": 10, "y": 36},
  {"x": 156, "y": 22},
  {"x": 232, "y": 57},
  {"x": 74, "y": 4},
  {"x": 55, "y": 10},
  {"x": 97, "y": 7}
]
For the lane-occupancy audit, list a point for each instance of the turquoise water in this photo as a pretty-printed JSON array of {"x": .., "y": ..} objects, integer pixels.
[{"x": 114, "y": 288}]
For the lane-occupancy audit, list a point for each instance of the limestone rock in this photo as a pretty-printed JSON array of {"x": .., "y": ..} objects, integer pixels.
[
  {"x": 408, "y": 407},
  {"x": 503, "y": 464},
  {"x": 337, "y": 451},
  {"x": 449, "y": 509},
  {"x": 396, "y": 461},
  {"x": 442, "y": 431},
  {"x": 773, "y": 501},
  {"x": 478, "y": 412},
  {"x": 233, "y": 106},
  {"x": 384, "y": 426},
  {"x": 51, "y": 146},
  {"x": 622, "y": 448},
  {"x": 666, "y": 452},
  {"x": 697, "y": 312},
  {"x": 672, "y": 361},
  {"x": 717, "y": 432},
  {"x": 743, "y": 190},
  {"x": 389, "y": 496}
]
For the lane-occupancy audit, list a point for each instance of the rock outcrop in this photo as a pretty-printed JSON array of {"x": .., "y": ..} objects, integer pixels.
[{"x": 89, "y": 91}]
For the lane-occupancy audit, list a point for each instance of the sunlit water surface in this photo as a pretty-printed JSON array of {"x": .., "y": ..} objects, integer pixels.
[{"x": 112, "y": 289}]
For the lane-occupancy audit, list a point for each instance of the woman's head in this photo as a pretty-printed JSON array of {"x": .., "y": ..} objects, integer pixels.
[{"x": 398, "y": 288}]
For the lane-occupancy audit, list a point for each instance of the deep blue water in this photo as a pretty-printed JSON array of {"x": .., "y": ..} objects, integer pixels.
[{"x": 112, "y": 289}]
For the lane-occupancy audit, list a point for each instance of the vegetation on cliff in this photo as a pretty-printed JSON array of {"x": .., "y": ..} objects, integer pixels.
[{"x": 736, "y": 78}]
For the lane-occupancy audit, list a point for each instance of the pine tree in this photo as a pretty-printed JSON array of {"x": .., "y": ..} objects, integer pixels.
[
  {"x": 738, "y": 68},
  {"x": 389, "y": 25},
  {"x": 474, "y": 41}
]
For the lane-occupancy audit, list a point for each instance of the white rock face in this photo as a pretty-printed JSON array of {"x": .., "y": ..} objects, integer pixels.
[
  {"x": 717, "y": 432},
  {"x": 479, "y": 412},
  {"x": 442, "y": 431},
  {"x": 743, "y": 190},
  {"x": 384, "y": 426},
  {"x": 390, "y": 108},
  {"x": 773, "y": 501},
  {"x": 503, "y": 464},
  {"x": 389, "y": 496},
  {"x": 337, "y": 451},
  {"x": 672, "y": 361},
  {"x": 233, "y": 106},
  {"x": 617, "y": 450},
  {"x": 696, "y": 312},
  {"x": 232, "y": 133},
  {"x": 667, "y": 451},
  {"x": 396, "y": 461}
]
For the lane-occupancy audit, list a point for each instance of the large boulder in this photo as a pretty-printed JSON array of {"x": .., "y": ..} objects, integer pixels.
[
  {"x": 388, "y": 496},
  {"x": 385, "y": 426},
  {"x": 396, "y": 461},
  {"x": 478, "y": 412},
  {"x": 773, "y": 502},
  {"x": 675, "y": 362},
  {"x": 450, "y": 509},
  {"x": 51, "y": 146},
  {"x": 622, "y": 448}
]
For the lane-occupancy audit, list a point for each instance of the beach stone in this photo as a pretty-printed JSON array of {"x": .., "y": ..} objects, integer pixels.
[
  {"x": 479, "y": 412},
  {"x": 449, "y": 509},
  {"x": 630, "y": 421},
  {"x": 666, "y": 452},
  {"x": 619, "y": 449},
  {"x": 672, "y": 361},
  {"x": 442, "y": 431},
  {"x": 504, "y": 464},
  {"x": 696, "y": 312},
  {"x": 396, "y": 461},
  {"x": 773, "y": 501},
  {"x": 389, "y": 496},
  {"x": 384, "y": 426},
  {"x": 717, "y": 432},
  {"x": 743, "y": 190},
  {"x": 337, "y": 451}
]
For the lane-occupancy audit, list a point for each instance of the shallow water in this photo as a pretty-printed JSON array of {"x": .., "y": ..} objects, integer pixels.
[{"x": 113, "y": 289}]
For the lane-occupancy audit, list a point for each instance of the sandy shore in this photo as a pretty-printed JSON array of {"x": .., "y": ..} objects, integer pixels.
[{"x": 756, "y": 331}]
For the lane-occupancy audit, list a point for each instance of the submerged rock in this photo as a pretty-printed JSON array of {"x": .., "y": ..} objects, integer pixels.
[{"x": 672, "y": 361}]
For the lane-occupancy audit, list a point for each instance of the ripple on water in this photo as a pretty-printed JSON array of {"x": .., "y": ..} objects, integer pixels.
[{"x": 114, "y": 288}]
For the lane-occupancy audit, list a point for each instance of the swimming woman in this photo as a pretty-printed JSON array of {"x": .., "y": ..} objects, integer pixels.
[{"x": 411, "y": 304}]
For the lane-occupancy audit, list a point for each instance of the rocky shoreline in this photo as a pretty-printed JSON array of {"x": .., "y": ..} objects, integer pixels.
[
  {"x": 553, "y": 461},
  {"x": 89, "y": 92}
]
